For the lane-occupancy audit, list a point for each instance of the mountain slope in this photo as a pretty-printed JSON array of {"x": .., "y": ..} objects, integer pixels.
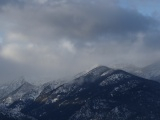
[
  {"x": 10, "y": 105},
  {"x": 151, "y": 71},
  {"x": 101, "y": 94},
  {"x": 21, "y": 93},
  {"x": 10, "y": 87}
]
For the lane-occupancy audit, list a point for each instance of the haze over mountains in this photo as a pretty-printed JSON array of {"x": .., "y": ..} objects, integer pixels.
[
  {"x": 100, "y": 94},
  {"x": 151, "y": 71},
  {"x": 44, "y": 40},
  {"x": 49, "y": 39}
]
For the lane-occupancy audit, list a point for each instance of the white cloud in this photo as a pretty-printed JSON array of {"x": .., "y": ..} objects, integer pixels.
[
  {"x": 57, "y": 38},
  {"x": 16, "y": 37},
  {"x": 11, "y": 51},
  {"x": 68, "y": 45}
]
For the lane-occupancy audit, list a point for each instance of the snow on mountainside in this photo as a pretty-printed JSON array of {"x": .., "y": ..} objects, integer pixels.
[
  {"x": 99, "y": 94},
  {"x": 152, "y": 71},
  {"x": 10, "y": 87},
  {"x": 149, "y": 72},
  {"x": 21, "y": 93},
  {"x": 17, "y": 90},
  {"x": 22, "y": 90},
  {"x": 49, "y": 86}
]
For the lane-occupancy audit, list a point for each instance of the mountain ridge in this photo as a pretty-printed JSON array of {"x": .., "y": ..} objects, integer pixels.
[{"x": 102, "y": 94}]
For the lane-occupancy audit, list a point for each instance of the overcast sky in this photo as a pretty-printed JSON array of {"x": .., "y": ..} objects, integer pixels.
[{"x": 44, "y": 40}]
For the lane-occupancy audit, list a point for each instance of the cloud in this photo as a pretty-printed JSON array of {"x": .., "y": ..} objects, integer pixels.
[
  {"x": 57, "y": 38},
  {"x": 78, "y": 20},
  {"x": 67, "y": 45}
]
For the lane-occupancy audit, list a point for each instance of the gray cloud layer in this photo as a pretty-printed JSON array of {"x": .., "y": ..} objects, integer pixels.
[{"x": 57, "y": 38}]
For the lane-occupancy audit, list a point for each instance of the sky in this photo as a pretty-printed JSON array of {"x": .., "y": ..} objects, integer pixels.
[{"x": 45, "y": 40}]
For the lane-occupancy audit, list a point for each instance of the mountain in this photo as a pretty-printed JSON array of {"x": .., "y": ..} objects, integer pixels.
[
  {"x": 20, "y": 93},
  {"x": 128, "y": 67},
  {"x": 100, "y": 94},
  {"x": 151, "y": 71},
  {"x": 49, "y": 86},
  {"x": 10, "y": 87}
]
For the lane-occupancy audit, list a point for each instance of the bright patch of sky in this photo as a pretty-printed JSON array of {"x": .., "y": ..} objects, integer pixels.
[{"x": 146, "y": 7}]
